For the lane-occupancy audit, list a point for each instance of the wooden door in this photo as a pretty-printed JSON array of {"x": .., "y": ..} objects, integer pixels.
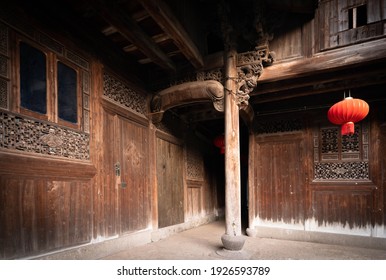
[
  {"x": 170, "y": 183},
  {"x": 126, "y": 206},
  {"x": 280, "y": 180},
  {"x": 133, "y": 151}
]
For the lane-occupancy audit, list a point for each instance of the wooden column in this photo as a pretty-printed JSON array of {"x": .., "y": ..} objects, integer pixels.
[{"x": 232, "y": 239}]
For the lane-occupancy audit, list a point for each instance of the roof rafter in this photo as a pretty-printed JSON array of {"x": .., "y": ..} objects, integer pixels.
[
  {"x": 128, "y": 28},
  {"x": 171, "y": 26}
]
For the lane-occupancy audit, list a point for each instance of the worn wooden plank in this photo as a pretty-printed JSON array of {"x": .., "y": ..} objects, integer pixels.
[
  {"x": 29, "y": 227},
  {"x": 38, "y": 166},
  {"x": 374, "y": 10},
  {"x": 10, "y": 218}
]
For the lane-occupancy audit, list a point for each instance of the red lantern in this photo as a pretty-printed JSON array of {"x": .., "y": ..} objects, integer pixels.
[
  {"x": 347, "y": 112},
  {"x": 219, "y": 142}
]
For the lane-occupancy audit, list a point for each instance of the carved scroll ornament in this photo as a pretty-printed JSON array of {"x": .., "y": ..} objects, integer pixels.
[{"x": 186, "y": 93}]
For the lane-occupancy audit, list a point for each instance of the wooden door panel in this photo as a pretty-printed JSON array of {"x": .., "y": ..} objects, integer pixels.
[
  {"x": 280, "y": 181},
  {"x": 108, "y": 211},
  {"x": 134, "y": 162},
  {"x": 170, "y": 183}
]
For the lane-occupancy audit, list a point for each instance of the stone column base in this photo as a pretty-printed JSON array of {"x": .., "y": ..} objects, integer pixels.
[{"x": 233, "y": 243}]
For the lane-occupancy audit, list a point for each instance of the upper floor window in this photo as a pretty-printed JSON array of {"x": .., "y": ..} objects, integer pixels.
[
  {"x": 49, "y": 87},
  {"x": 357, "y": 16}
]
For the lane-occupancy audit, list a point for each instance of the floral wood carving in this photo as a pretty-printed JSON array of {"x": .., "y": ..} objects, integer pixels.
[
  {"x": 341, "y": 158},
  {"x": 133, "y": 155},
  {"x": 51, "y": 139},
  {"x": 118, "y": 92},
  {"x": 19, "y": 133}
]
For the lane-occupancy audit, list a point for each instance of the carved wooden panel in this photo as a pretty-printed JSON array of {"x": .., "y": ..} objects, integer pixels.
[
  {"x": 194, "y": 159},
  {"x": 20, "y": 133},
  {"x": 339, "y": 157},
  {"x": 278, "y": 126},
  {"x": 117, "y": 91}
]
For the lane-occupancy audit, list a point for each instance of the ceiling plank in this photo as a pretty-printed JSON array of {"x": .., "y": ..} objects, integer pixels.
[
  {"x": 132, "y": 32},
  {"x": 162, "y": 14}
]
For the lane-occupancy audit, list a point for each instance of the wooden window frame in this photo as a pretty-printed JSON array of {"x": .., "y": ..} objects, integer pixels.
[
  {"x": 52, "y": 60},
  {"x": 353, "y": 18}
]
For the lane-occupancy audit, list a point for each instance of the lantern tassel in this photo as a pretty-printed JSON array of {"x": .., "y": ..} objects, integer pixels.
[{"x": 347, "y": 128}]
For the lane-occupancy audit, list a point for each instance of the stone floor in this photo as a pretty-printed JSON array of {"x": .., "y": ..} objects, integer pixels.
[{"x": 204, "y": 243}]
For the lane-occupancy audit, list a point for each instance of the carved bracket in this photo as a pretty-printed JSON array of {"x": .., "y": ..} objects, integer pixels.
[
  {"x": 249, "y": 69},
  {"x": 208, "y": 86},
  {"x": 187, "y": 93}
]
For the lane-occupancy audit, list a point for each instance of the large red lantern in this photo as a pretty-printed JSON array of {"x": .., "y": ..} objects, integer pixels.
[
  {"x": 347, "y": 112},
  {"x": 219, "y": 142}
]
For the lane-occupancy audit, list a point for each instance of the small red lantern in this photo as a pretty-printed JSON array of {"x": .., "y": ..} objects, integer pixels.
[
  {"x": 347, "y": 112},
  {"x": 219, "y": 142}
]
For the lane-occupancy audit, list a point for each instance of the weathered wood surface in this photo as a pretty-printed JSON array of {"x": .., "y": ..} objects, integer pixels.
[
  {"x": 19, "y": 164},
  {"x": 39, "y": 215},
  {"x": 187, "y": 93},
  {"x": 170, "y": 183},
  {"x": 133, "y": 155},
  {"x": 283, "y": 189},
  {"x": 279, "y": 193},
  {"x": 232, "y": 151},
  {"x": 325, "y": 62}
]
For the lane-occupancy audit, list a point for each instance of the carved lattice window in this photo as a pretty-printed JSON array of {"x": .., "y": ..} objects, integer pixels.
[
  {"x": 340, "y": 158},
  {"x": 50, "y": 85}
]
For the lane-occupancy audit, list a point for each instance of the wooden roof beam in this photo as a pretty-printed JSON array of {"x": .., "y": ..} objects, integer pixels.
[
  {"x": 159, "y": 38},
  {"x": 132, "y": 32},
  {"x": 162, "y": 14}
]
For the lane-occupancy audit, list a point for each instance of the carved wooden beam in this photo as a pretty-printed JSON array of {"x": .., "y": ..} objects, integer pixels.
[
  {"x": 187, "y": 93},
  {"x": 162, "y": 14},
  {"x": 132, "y": 32}
]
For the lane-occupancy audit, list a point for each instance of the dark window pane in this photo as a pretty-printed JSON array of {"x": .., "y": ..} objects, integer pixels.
[
  {"x": 67, "y": 96},
  {"x": 33, "y": 85},
  {"x": 361, "y": 15}
]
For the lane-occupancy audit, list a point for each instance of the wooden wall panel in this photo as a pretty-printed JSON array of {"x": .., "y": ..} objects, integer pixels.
[
  {"x": 38, "y": 216},
  {"x": 288, "y": 44},
  {"x": 347, "y": 208},
  {"x": 194, "y": 204},
  {"x": 333, "y": 22}
]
